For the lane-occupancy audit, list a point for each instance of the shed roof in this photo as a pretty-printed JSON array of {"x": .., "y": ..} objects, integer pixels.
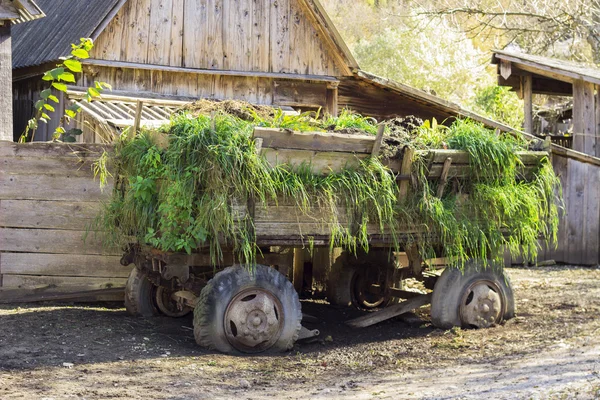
[
  {"x": 19, "y": 11},
  {"x": 66, "y": 21},
  {"x": 553, "y": 68}
]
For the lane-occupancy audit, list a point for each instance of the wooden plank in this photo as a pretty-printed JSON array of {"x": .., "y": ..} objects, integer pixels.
[
  {"x": 108, "y": 44},
  {"x": 576, "y": 222},
  {"x": 597, "y": 102},
  {"x": 444, "y": 177},
  {"x": 319, "y": 162},
  {"x": 64, "y": 293},
  {"x": 584, "y": 118},
  {"x": 315, "y": 141},
  {"x": 560, "y": 253},
  {"x": 292, "y": 214},
  {"x": 135, "y": 49},
  {"x": 280, "y": 36},
  {"x": 217, "y": 70},
  {"x": 62, "y": 166},
  {"x": 390, "y": 312},
  {"x": 194, "y": 33},
  {"x": 177, "y": 27},
  {"x": 50, "y": 187},
  {"x": 462, "y": 157},
  {"x": 52, "y": 241},
  {"x": 6, "y": 102},
  {"x": 159, "y": 40},
  {"x": 378, "y": 141},
  {"x": 260, "y": 45},
  {"x": 37, "y": 149},
  {"x": 405, "y": 169},
  {"x": 30, "y": 281},
  {"x": 592, "y": 216},
  {"x": 298, "y": 269},
  {"x": 67, "y": 215},
  {"x": 63, "y": 265},
  {"x": 292, "y": 93}
]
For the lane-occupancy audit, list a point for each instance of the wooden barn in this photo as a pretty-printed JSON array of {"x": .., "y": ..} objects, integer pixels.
[
  {"x": 11, "y": 13},
  {"x": 284, "y": 53},
  {"x": 579, "y": 168}
]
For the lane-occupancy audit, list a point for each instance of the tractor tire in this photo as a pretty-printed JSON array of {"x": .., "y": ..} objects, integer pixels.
[
  {"x": 140, "y": 295},
  {"x": 476, "y": 297},
  {"x": 242, "y": 311}
]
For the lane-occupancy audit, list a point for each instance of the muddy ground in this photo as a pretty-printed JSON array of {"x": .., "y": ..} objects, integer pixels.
[{"x": 550, "y": 351}]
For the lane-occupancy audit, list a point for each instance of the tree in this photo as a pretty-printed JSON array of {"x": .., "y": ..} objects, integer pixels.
[{"x": 563, "y": 28}]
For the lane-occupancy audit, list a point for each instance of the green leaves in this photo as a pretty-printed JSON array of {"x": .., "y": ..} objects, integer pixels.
[
  {"x": 80, "y": 53},
  {"x": 73, "y": 65},
  {"x": 60, "y": 86}
]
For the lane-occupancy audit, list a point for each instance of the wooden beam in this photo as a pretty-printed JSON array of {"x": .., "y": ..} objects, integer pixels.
[
  {"x": 584, "y": 118},
  {"x": 405, "y": 169},
  {"x": 528, "y": 103},
  {"x": 6, "y": 101},
  {"x": 164, "y": 68},
  {"x": 597, "y": 120},
  {"x": 390, "y": 312},
  {"x": 332, "y": 101},
  {"x": 298, "y": 269},
  {"x": 378, "y": 140},
  {"x": 444, "y": 177}
]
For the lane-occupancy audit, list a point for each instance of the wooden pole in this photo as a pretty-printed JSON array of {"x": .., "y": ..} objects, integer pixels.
[
  {"x": 138, "y": 117},
  {"x": 332, "y": 100},
  {"x": 298, "y": 272},
  {"x": 378, "y": 141},
  {"x": 584, "y": 118},
  {"x": 6, "y": 108},
  {"x": 528, "y": 102}
]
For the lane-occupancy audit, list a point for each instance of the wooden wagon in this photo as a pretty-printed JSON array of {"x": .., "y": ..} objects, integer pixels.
[{"x": 241, "y": 310}]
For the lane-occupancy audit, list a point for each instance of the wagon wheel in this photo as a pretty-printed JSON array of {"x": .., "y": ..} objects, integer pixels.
[
  {"x": 140, "y": 295},
  {"x": 475, "y": 298},
  {"x": 248, "y": 311},
  {"x": 167, "y": 305},
  {"x": 351, "y": 278}
]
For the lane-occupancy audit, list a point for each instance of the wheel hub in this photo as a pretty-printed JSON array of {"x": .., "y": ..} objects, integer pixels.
[
  {"x": 253, "y": 320},
  {"x": 167, "y": 305},
  {"x": 481, "y": 304}
]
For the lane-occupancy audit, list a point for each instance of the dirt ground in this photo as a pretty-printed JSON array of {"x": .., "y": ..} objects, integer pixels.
[{"x": 550, "y": 351}]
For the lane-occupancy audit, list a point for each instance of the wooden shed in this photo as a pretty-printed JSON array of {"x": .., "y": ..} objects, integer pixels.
[
  {"x": 283, "y": 53},
  {"x": 11, "y": 13},
  {"x": 579, "y": 169},
  {"x": 529, "y": 75}
]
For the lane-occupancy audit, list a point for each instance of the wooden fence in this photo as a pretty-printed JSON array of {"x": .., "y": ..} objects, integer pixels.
[{"x": 48, "y": 196}]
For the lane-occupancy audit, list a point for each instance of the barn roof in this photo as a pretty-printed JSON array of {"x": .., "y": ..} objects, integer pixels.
[{"x": 66, "y": 21}]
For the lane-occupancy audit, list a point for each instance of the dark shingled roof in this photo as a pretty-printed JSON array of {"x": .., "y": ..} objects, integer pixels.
[{"x": 66, "y": 21}]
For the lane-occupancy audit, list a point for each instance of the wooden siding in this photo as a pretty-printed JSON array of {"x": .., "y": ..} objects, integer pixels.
[
  {"x": 236, "y": 35},
  {"x": 579, "y": 229},
  {"x": 48, "y": 197}
]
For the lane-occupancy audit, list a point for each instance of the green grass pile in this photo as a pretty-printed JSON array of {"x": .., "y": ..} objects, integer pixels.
[{"x": 188, "y": 194}]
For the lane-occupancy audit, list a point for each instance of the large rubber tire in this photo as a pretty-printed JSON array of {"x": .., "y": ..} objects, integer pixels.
[
  {"x": 345, "y": 274},
  {"x": 216, "y": 296},
  {"x": 451, "y": 288},
  {"x": 139, "y": 295}
]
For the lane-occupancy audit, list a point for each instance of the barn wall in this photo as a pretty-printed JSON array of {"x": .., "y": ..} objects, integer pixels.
[
  {"x": 579, "y": 231},
  {"x": 48, "y": 196},
  {"x": 239, "y": 35}
]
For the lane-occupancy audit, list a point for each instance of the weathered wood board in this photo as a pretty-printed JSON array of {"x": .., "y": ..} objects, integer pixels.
[{"x": 48, "y": 198}]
